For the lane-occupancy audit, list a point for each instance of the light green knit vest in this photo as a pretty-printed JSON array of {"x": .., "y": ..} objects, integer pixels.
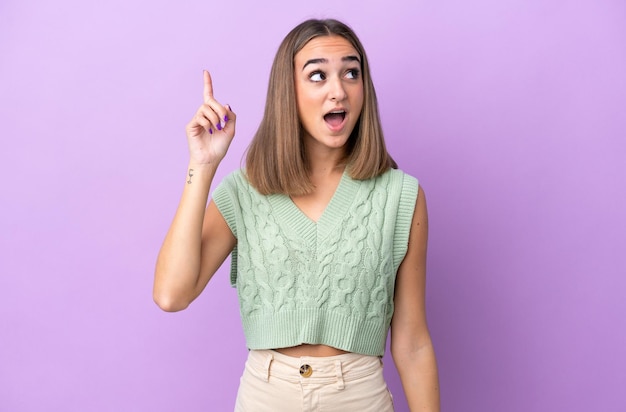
[{"x": 328, "y": 282}]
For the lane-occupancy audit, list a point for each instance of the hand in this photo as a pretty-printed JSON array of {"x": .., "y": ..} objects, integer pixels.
[{"x": 211, "y": 129}]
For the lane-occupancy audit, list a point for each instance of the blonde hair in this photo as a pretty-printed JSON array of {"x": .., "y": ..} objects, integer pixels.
[{"x": 275, "y": 159}]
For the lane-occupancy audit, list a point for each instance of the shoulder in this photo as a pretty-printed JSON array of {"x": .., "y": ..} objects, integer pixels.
[
  {"x": 412, "y": 192},
  {"x": 232, "y": 197},
  {"x": 406, "y": 185},
  {"x": 400, "y": 175},
  {"x": 237, "y": 176},
  {"x": 396, "y": 176},
  {"x": 227, "y": 191},
  {"x": 236, "y": 190},
  {"x": 233, "y": 182}
]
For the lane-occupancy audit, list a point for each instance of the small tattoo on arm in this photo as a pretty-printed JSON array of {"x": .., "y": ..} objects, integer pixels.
[{"x": 190, "y": 174}]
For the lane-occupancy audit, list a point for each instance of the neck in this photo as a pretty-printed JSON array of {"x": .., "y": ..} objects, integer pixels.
[{"x": 326, "y": 163}]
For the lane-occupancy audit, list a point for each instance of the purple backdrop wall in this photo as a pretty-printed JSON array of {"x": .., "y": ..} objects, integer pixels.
[{"x": 511, "y": 114}]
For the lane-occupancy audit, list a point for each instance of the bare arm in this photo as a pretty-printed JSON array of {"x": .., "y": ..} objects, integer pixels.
[
  {"x": 198, "y": 240},
  {"x": 411, "y": 346}
]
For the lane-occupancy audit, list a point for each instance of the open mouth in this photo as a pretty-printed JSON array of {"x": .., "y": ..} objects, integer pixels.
[{"x": 335, "y": 118}]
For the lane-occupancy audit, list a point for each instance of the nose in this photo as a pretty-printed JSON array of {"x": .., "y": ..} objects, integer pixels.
[{"x": 337, "y": 90}]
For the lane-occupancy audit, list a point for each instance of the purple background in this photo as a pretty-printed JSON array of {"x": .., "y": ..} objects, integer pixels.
[{"x": 511, "y": 114}]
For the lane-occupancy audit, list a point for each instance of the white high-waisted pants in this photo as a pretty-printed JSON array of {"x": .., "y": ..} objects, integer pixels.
[{"x": 273, "y": 382}]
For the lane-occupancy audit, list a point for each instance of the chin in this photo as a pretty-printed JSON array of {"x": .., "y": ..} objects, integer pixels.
[
  {"x": 338, "y": 143},
  {"x": 329, "y": 139}
]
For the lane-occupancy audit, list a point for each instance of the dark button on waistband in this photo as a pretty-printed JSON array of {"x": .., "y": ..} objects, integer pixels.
[{"x": 306, "y": 371}]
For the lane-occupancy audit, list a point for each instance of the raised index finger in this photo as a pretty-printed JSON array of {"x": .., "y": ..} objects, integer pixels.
[{"x": 208, "y": 87}]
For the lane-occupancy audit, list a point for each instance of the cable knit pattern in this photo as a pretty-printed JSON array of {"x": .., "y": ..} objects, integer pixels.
[{"x": 328, "y": 282}]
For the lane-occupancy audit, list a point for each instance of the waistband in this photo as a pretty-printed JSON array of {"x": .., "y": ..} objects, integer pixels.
[{"x": 311, "y": 369}]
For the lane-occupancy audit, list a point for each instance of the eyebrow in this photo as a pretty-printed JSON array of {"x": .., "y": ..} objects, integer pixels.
[{"x": 350, "y": 58}]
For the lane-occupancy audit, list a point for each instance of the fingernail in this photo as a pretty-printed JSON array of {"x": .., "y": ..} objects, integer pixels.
[
  {"x": 219, "y": 126},
  {"x": 226, "y": 119},
  {"x": 210, "y": 130},
  {"x": 230, "y": 108}
]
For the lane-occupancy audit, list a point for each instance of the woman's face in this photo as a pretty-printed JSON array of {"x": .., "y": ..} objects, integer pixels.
[{"x": 329, "y": 90}]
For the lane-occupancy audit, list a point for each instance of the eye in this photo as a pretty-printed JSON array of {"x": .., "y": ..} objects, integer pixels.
[
  {"x": 317, "y": 76},
  {"x": 353, "y": 74}
]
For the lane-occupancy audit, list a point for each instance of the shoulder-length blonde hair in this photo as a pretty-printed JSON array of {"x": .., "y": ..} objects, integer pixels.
[{"x": 275, "y": 159}]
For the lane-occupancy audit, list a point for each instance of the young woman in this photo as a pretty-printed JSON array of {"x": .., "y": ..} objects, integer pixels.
[{"x": 327, "y": 237}]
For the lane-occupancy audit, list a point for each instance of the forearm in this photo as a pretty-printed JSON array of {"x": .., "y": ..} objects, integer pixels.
[
  {"x": 178, "y": 263},
  {"x": 420, "y": 380}
]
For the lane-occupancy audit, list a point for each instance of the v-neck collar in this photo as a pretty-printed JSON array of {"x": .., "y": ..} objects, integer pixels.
[{"x": 290, "y": 216}]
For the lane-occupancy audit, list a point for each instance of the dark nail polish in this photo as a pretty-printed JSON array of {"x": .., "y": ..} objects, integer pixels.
[
  {"x": 226, "y": 118},
  {"x": 218, "y": 126},
  {"x": 210, "y": 130}
]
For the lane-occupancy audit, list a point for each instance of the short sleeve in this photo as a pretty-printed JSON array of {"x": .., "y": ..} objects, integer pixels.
[
  {"x": 226, "y": 199},
  {"x": 406, "y": 208}
]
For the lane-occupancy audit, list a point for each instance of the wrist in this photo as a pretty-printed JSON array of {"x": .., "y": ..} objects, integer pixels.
[{"x": 197, "y": 172}]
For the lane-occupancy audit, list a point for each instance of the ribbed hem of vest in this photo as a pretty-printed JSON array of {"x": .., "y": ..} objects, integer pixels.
[{"x": 316, "y": 326}]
